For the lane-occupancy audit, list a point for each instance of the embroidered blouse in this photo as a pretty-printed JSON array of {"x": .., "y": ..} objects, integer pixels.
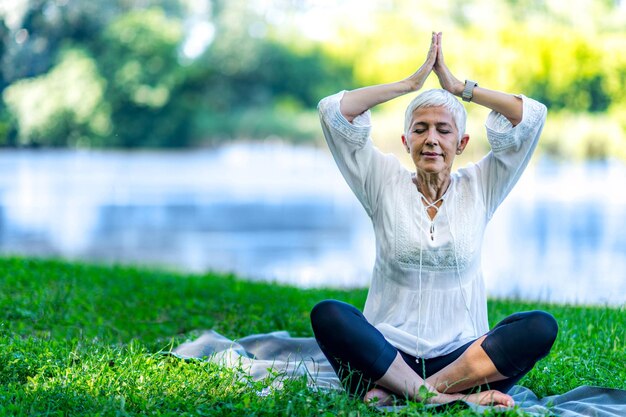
[{"x": 427, "y": 294}]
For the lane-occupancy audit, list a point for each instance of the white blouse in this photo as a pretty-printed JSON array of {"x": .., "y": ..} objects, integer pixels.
[{"x": 427, "y": 295}]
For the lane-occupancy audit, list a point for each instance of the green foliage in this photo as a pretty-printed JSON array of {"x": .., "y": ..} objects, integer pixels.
[
  {"x": 78, "y": 339},
  {"x": 275, "y": 72},
  {"x": 563, "y": 69},
  {"x": 138, "y": 56},
  {"x": 144, "y": 91},
  {"x": 140, "y": 104},
  {"x": 257, "y": 124},
  {"x": 140, "y": 92},
  {"x": 62, "y": 107},
  {"x": 8, "y": 133}
]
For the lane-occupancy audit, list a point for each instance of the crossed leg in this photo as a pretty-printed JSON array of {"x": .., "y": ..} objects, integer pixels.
[
  {"x": 472, "y": 369},
  {"x": 495, "y": 361}
]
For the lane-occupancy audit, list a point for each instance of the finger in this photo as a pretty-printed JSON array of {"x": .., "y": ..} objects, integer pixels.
[
  {"x": 439, "y": 47},
  {"x": 432, "y": 52}
]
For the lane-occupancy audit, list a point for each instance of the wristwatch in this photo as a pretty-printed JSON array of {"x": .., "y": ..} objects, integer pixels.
[{"x": 468, "y": 91}]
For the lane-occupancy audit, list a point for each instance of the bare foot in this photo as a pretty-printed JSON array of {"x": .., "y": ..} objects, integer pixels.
[
  {"x": 377, "y": 397},
  {"x": 491, "y": 397}
]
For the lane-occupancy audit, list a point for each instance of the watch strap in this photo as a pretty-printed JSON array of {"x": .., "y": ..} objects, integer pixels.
[{"x": 468, "y": 91}]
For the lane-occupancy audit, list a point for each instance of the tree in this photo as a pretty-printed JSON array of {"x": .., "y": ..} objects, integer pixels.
[
  {"x": 145, "y": 90},
  {"x": 63, "y": 107}
]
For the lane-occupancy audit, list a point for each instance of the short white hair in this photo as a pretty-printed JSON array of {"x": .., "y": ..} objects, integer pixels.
[{"x": 437, "y": 98}]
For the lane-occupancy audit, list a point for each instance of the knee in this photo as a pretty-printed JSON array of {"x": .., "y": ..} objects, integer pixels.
[
  {"x": 328, "y": 314},
  {"x": 544, "y": 328},
  {"x": 518, "y": 344},
  {"x": 320, "y": 312}
]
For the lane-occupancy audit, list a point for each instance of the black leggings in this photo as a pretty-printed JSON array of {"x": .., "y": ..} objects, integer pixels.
[{"x": 360, "y": 354}]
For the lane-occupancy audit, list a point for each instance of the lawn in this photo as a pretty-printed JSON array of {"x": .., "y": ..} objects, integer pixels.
[{"x": 79, "y": 339}]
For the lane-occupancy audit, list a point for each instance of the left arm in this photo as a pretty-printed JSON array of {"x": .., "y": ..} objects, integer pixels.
[
  {"x": 507, "y": 105},
  {"x": 513, "y": 130}
]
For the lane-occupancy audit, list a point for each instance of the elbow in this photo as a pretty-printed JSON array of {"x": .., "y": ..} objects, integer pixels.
[
  {"x": 350, "y": 118},
  {"x": 348, "y": 115},
  {"x": 327, "y": 105},
  {"x": 515, "y": 120},
  {"x": 517, "y": 112},
  {"x": 537, "y": 112}
]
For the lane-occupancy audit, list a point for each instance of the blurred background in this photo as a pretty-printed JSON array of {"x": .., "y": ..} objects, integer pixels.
[{"x": 184, "y": 134}]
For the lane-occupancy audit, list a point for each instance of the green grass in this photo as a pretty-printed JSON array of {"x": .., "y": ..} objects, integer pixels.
[{"x": 80, "y": 339}]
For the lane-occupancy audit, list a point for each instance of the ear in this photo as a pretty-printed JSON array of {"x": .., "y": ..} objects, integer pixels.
[
  {"x": 406, "y": 144},
  {"x": 462, "y": 144}
]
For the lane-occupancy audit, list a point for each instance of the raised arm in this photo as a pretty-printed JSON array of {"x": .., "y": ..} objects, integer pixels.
[
  {"x": 508, "y": 105},
  {"x": 513, "y": 130},
  {"x": 358, "y": 101}
]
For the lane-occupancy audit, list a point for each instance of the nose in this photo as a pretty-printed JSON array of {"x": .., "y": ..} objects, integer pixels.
[{"x": 433, "y": 137}]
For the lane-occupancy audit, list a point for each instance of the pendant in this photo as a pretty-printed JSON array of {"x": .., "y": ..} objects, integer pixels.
[{"x": 432, "y": 231}]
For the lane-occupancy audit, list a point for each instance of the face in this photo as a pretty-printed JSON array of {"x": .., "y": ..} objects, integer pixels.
[{"x": 432, "y": 140}]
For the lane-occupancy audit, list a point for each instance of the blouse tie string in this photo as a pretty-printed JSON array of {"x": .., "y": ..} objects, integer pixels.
[
  {"x": 458, "y": 275},
  {"x": 427, "y": 205}
]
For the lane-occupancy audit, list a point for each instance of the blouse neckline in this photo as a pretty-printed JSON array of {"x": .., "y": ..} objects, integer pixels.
[{"x": 422, "y": 197}]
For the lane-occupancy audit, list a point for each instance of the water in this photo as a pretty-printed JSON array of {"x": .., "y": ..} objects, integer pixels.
[{"x": 282, "y": 213}]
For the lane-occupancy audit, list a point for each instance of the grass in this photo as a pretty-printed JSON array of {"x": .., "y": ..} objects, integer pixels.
[{"x": 79, "y": 339}]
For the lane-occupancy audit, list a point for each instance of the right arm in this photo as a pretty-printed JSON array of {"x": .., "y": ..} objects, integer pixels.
[
  {"x": 345, "y": 120},
  {"x": 358, "y": 101}
]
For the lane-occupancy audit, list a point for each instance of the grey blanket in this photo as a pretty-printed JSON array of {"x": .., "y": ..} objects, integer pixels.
[{"x": 294, "y": 357}]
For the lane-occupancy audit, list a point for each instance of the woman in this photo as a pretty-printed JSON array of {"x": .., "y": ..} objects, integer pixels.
[{"x": 425, "y": 319}]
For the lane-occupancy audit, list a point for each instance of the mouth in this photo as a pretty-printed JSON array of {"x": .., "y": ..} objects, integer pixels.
[{"x": 431, "y": 154}]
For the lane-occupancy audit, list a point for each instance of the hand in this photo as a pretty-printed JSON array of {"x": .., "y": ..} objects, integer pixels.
[
  {"x": 447, "y": 81},
  {"x": 416, "y": 81}
]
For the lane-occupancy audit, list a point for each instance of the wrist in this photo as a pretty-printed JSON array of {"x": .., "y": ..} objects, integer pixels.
[
  {"x": 468, "y": 90},
  {"x": 410, "y": 85},
  {"x": 457, "y": 88}
]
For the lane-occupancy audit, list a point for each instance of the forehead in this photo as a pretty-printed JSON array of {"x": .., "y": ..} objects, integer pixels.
[{"x": 432, "y": 115}]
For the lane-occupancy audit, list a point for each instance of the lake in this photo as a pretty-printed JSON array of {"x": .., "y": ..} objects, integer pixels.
[{"x": 283, "y": 213}]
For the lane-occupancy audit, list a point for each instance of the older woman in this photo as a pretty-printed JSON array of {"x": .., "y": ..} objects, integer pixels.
[{"x": 424, "y": 334}]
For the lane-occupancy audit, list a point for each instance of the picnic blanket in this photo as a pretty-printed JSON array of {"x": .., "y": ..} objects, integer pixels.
[{"x": 296, "y": 357}]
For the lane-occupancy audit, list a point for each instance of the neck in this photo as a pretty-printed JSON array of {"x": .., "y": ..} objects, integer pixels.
[{"x": 432, "y": 186}]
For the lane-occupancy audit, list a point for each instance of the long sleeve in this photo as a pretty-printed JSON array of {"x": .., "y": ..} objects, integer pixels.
[
  {"x": 364, "y": 167},
  {"x": 511, "y": 150}
]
